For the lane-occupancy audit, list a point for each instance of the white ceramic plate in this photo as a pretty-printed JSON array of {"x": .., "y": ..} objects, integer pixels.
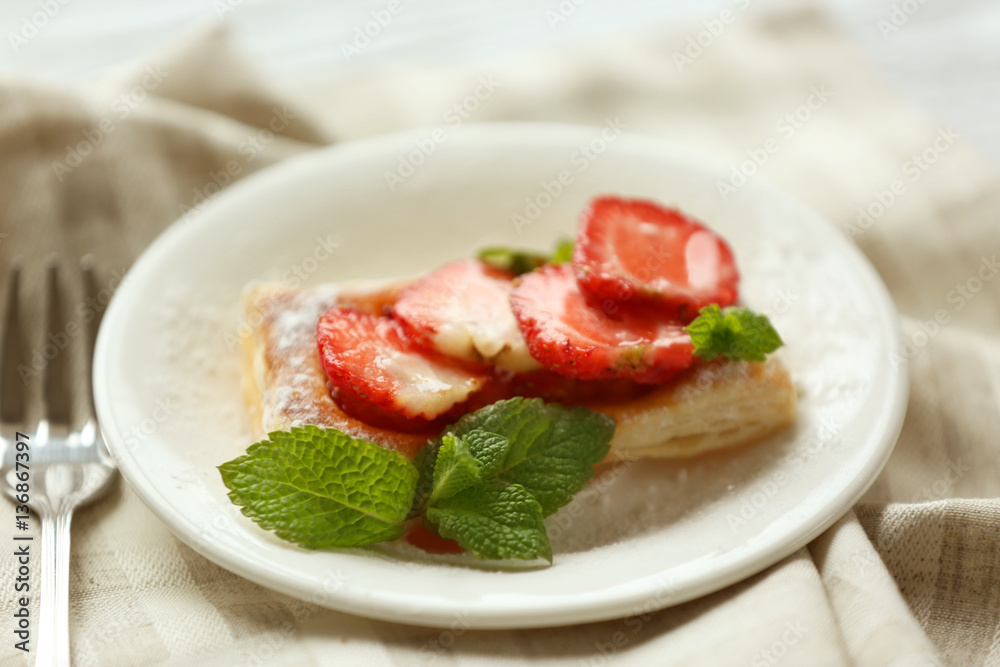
[{"x": 645, "y": 536}]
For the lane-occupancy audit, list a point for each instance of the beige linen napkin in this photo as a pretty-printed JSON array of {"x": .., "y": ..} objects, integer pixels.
[{"x": 911, "y": 577}]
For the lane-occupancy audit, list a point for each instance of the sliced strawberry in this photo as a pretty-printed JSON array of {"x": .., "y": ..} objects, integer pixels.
[
  {"x": 373, "y": 415},
  {"x": 423, "y": 538},
  {"x": 577, "y": 340},
  {"x": 463, "y": 310},
  {"x": 374, "y": 301},
  {"x": 630, "y": 249},
  {"x": 552, "y": 386},
  {"x": 371, "y": 358}
]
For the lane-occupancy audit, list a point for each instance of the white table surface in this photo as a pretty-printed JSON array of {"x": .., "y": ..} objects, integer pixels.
[{"x": 945, "y": 58}]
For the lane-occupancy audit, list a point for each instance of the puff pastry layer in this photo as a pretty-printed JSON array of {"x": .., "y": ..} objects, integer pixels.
[{"x": 712, "y": 406}]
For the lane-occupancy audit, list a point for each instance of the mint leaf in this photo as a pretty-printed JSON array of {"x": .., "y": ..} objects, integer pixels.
[
  {"x": 514, "y": 261},
  {"x": 455, "y": 469},
  {"x": 548, "y": 449},
  {"x": 424, "y": 461},
  {"x": 563, "y": 252},
  {"x": 734, "y": 333},
  {"x": 322, "y": 488},
  {"x": 489, "y": 449},
  {"x": 493, "y": 519},
  {"x": 525, "y": 261},
  {"x": 487, "y": 483}
]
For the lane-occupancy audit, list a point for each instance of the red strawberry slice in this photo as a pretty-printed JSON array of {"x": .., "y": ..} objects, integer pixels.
[
  {"x": 372, "y": 415},
  {"x": 578, "y": 340},
  {"x": 423, "y": 538},
  {"x": 462, "y": 310},
  {"x": 552, "y": 386},
  {"x": 630, "y": 249},
  {"x": 371, "y": 358}
]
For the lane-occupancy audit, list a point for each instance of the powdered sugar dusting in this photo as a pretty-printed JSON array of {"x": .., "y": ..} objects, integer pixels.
[
  {"x": 298, "y": 321},
  {"x": 196, "y": 358},
  {"x": 295, "y": 392},
  {"x": 288, "y": 373}
]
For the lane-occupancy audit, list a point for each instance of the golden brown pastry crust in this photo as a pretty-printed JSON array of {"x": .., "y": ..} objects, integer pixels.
[
  {"x": 283, "y": 382},
  {"x": 712, "y": 406}
]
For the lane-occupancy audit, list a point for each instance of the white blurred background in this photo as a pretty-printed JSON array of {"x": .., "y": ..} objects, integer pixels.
[{"x": 944, "y": 56}]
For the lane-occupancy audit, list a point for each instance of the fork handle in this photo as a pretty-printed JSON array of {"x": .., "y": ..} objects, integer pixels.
[{"x": 53, "y": 625}]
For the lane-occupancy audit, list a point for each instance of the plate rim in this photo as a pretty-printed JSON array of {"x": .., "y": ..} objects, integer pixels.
[{"x": 572, "y": 610}]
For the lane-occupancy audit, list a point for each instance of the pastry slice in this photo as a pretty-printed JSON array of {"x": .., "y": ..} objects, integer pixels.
[
  {"x": 708, "y": 407},
  {"x": 283, "y": 382}
]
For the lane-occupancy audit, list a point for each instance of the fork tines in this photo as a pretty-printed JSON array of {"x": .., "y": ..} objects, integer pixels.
[
  {"x": 13, "y": 386},
  {"x": 68, "y": 335}
]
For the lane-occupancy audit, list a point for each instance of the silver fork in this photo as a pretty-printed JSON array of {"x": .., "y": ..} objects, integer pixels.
[{"x": 61, "y": 465}]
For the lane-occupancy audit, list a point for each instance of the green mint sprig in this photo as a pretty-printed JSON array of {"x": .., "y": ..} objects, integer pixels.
[
  {"x": 487, "y": 483},
  {"x": 563, "y": 252},
  {"x": 547, "y": 448},
  {"x": 321, "y": 488},
  {"x": 526, "y": 261},
  {"x": 734, "y": 333},
  {"x": 493, "y": 520}
]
